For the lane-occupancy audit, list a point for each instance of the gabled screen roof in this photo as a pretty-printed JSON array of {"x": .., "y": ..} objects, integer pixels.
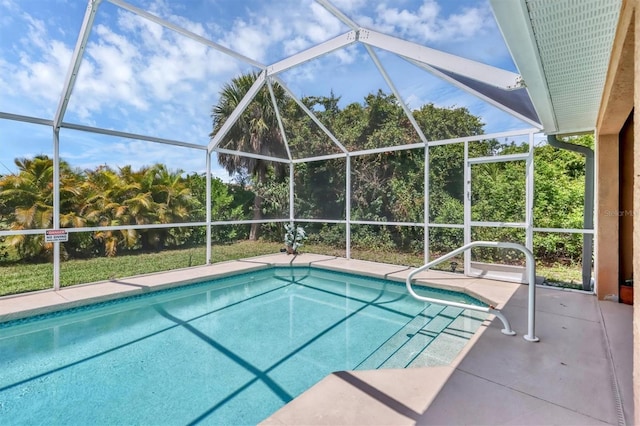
[{"x": 152, "y": 70}]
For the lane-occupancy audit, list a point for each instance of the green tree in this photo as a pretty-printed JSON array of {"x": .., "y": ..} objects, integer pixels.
[
  {"x": 28, "y": 203},
  {"x": 150, "y": 195},
  {"x": 227, "y": 203},
  {"x": 172, "y": 203},
  {"x": 114, "y": 199},
  {"x": 256, "y": 131},
  {"x": 559, "y": 200}
]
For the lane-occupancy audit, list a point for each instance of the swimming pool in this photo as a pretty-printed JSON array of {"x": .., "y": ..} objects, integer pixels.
[{"x": 227, "y": 351}]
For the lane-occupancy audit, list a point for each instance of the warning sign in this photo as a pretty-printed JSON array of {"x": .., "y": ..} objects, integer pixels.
[{"x": 56, "y": 236}]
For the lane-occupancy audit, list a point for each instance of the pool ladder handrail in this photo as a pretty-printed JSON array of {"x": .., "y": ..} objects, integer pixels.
[{"x": 531, "y": 269}]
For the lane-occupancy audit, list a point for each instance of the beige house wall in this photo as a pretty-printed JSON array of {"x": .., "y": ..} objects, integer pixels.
[
  {"x": 616, "y": 106},
  {"x": 606, "y": 220},
  {"x": 621, "y": 97}
]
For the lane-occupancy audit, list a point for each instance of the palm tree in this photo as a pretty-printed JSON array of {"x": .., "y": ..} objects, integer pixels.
[
  {"x": 28, "y": 203},
  {"x": 173, "y": 203},
  {"x": 256, "y": 131},
  {"x": 170, "y": 191},
  {"x": 114, "y": 199}
]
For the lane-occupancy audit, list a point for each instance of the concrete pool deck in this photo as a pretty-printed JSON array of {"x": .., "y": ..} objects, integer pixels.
[{"x": 572, "y": 376}]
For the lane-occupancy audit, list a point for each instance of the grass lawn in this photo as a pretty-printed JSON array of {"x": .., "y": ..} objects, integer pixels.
[{"x": 19, "y": 277}]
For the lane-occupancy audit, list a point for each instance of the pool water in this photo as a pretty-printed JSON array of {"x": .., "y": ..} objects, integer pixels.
[{"x": 228, "y": 351}]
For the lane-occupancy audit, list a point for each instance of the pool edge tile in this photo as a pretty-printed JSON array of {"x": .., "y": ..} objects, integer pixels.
[{"x": 20, "y": 306}]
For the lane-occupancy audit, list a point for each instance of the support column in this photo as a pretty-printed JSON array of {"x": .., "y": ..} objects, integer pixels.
[
  {"x": 348, "y": 208},
  {"x": 208, "y": 206},
  {"x": 291, "y": 192},
  {"x": 56, "y": 206},
  {"x": 606, "y": 226},
  {"x": 427, "y": 247}
]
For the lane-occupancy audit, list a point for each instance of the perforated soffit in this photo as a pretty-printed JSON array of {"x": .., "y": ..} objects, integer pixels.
[{"x": 562, "y": 49}]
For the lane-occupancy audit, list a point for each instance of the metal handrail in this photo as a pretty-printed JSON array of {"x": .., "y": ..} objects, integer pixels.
[{"x": 531, "y": 267}]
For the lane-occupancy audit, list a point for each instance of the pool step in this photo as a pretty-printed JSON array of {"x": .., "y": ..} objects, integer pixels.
[
  {"x": 402, "y": 337},
  {"x": 424, "y": 338},
  {"x": 444, "y": 348},
  {"x": 434, "y": 337}
]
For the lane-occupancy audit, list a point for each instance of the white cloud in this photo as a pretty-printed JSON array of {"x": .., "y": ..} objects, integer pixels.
[
  {"x": 428, "y": 23},
  {"x": 250, "y": 39},
  {"x": 350, "y": 5},
  {"x": 149, "y": 31},
  {"x": 347, "y": 55},
  {"x": 402, "y": 19},
  {"x": 10, "y": 5},
  {"x": 269, "y": 34},
  {"x": 143, "y": 68},
  {"x": 295, "y": 45},
  {"x": 323, "y": 25},
  {"x": 37, "y": 35},
  {"x": 39, "y": 79},
  {"x": 469, "y": 23}
]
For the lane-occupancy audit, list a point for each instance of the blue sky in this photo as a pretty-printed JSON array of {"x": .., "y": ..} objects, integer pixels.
[{"x": 139, "y": 77}]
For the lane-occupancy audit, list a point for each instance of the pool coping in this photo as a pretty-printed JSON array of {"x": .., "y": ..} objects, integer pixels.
[{"x": 24, "y": 305}]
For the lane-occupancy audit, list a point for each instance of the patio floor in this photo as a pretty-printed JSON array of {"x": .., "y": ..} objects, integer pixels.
[{"x": 572, "y": 376}]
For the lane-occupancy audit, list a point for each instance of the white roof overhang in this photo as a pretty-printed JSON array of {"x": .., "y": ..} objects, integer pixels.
[{"x": 562, "y": 50}]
